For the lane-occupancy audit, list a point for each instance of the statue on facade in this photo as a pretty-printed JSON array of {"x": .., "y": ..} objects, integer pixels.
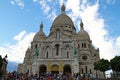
[
  {"x": 76, "y": 65},
  {"x": 75, "y": 51},
  {"x": 36, "y": 52},
  {"x": 34, "y": 65}
]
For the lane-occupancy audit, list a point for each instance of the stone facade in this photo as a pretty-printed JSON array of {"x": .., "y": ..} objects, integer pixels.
[{"x": 63, "y": 51}]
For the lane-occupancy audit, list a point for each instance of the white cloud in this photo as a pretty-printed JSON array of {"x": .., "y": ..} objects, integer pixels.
[
  {"x": 61, "y": 2},
  {"x": 52, "y": 15},
  {"x": 48, "y": 10},
  {"x": 20, "y": 35},
  {"x": 93, "y": 22},
  {"x": 12, "y": 2},
  {"x": 118, "y": 41},
  {"x": 16, "y": 52},
  {"x": 19, "y": 3},
  {"x": 95, "y": 25},
  {"x": 78, "y": 9},
  {"x": 45, "y": 7}
]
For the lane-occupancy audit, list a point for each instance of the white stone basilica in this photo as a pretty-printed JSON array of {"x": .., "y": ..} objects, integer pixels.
[{"x": 63, "y": 51}]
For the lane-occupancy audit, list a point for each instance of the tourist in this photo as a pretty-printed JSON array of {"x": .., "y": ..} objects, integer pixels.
[{"x": 84, "y": 78}]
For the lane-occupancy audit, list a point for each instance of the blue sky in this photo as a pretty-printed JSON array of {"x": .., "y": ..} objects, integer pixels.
[{"x": 20, "y": 20}]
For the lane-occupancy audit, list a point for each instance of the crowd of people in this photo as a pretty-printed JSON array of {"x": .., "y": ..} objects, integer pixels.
[
  {"x": 41, "y": 76},
  {"x": 21, "y": 76}
]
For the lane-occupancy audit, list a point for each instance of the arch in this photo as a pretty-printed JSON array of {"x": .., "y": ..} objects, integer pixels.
[
  {"x": 57, "y": 33},
  {"x": 42, "y": 70},
  {"x": 67, "y": 69},
  {"x": 54, "y": 69},
  {"x": 47, "y": 51},
  {"x": 67, "y": 45}
]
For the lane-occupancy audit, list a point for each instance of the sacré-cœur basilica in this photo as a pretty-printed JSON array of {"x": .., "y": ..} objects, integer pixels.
[{"x": 63, "y": 51}]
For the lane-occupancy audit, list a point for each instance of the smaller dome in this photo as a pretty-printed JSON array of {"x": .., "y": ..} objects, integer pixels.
[
  {"x": 40, "y": 35},
  {"x": 82, "y": 34}
]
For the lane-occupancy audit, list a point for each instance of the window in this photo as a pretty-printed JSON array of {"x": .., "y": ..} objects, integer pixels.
[
  {"x": 32, "y": 47},
  {"x": 47, "y": 55},
  {"x": 84, "y": 57},
  {"x": 83, "y": 45},
  {"x": 90, "y": 71},
  {"x": 78, "y": 46},
  {"x": 36, "y": 46},
  {"x": 89, "y": 46},
  {"x": 57, "y": 49},
  {"x": 67, "y": 54},
  {"x": 86, "y": 69},
  {"x": 57, "y": 34}
]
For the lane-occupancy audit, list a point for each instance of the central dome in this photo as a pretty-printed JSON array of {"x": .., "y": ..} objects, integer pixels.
[
  {"x": 63, "y": 19},
  {"x": 63, "y": 22}
]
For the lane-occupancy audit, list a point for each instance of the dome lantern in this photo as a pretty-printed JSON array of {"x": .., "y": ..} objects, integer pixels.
[
  {"x": 41, "y": 27},
  {"x": 81, "y": 25},
  {"x": 63, "y": 9}
]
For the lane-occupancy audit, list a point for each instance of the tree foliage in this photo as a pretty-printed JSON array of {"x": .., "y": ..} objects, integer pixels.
[
  {"x": 115, "y": 63},
  {"x": 102, "y": 65},
  {"x": 1, "y": 65},
  {"x": 0, "y": 61}
]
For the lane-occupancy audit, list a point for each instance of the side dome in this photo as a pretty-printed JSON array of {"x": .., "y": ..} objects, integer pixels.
[
  {"x": 39, "y": 35},
  {"x": 82, "y": 34}
]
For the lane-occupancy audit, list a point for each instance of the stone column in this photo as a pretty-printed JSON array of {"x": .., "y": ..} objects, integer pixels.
[
  {"x": 61, "y": 67},
  {"x": 48, "y": 67}
]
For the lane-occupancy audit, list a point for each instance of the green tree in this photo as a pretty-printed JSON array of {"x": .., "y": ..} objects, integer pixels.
[
  {"x": 102, "y": 65},
  {"x": 115, "y": 64},
  {"x": 1, "y": 65}
]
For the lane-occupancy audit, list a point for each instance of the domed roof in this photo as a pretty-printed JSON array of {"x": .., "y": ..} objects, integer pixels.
[
  {"x": 82, "y": 34},
  {"x": 39, "y": 35},
  {"x": 63, "y": 19}
]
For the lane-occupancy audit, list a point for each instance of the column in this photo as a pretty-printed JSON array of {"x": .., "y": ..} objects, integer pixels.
[
  {"x": 61, "y": 67},
  {"x": 48, "y": 67}
]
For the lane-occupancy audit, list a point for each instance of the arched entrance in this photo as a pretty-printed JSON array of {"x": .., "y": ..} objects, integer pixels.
[
  {"x": 55, "y": 69},
  {"x": 42, "y": 70},
  {"x": 67, "y": 69}
]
